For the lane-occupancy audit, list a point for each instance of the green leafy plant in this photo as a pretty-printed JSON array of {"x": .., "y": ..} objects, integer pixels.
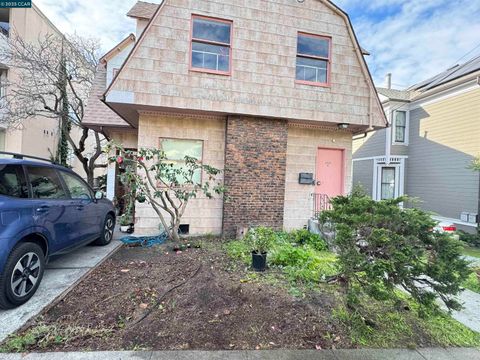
[
  {"x": 302, "y": 263},
  {"x": 382, "y": 246},
  {"x": 126, "y": 220},
  {"x": 473, "y": 281},
  {"x": 153, "y": 179},
  {"x": 260, "y": 239},
  {"x": 470, "y": 239},
  {"x": 305, "y": 237}
]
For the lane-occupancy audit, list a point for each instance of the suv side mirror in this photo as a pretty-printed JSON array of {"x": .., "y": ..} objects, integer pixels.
[{"x": 98, "y": 195}]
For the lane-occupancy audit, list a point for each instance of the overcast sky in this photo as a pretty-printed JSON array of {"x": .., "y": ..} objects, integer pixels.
[{"x": 412, "y": 39}]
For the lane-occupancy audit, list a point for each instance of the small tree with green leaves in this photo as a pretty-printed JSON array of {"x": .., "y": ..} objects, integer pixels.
[
  {"x": 152, "y": 178},
  {"x": 382, "y": 246}
]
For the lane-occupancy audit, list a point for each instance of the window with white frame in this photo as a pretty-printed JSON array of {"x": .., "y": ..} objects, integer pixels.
[
  {"x": 387, "y": 185},
  {"x": 388, "y": 178},
  {"x": 400, "y": 127},
  {"x": 2, "y": 140},
  {"x": 3, "y": 83}
]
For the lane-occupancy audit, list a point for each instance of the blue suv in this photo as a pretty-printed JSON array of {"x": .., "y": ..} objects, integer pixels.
[{"x": 45, "y": 210}]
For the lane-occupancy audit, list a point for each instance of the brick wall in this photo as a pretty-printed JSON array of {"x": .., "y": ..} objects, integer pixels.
[{"x": 255, "y": 165}]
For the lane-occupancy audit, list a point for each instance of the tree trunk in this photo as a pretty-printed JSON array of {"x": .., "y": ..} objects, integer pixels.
[
  {"x": 90, "y": 177},
  {"x": 174, "y": 232},
  {"x": 174, "y": 235}
]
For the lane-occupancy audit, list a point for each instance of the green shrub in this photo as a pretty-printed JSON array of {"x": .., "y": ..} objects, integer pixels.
[
  {"x": 260, "y": 239},
  {"x": 382, "y": 246},
  {"x": 303, "y": 263},
  {"x": 470, "y": 239},
  {"x": 238, "y": 249},
  {"x": 299, "y": 254},
  {"x": 304, "y": 236},
  {"x": 473, "y": 281}
]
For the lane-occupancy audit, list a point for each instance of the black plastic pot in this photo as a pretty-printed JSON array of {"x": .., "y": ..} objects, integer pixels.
[{"x": 259, "y": 261}]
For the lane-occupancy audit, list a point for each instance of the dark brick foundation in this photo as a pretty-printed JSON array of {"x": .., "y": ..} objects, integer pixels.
[{"x": 255, "y": 165}]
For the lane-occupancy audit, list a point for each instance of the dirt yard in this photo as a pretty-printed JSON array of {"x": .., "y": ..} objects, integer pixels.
[
  {"x": 196, "y": 299},
  {"x": 201, "y": 299}
]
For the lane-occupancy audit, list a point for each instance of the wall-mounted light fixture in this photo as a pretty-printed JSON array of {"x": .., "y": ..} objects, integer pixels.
[{"x": 342, "y": 126}]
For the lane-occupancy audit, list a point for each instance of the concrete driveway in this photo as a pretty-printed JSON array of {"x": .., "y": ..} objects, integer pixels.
[{"x": 60, "y": 276}]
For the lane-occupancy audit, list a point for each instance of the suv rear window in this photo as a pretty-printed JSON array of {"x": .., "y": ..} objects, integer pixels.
[
  {"x": 45, "y": 183},
  {"x": 12, "y": 181}
]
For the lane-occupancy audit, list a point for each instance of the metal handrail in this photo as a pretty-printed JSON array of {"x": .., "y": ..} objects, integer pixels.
[{"x": 321, "y": 202}]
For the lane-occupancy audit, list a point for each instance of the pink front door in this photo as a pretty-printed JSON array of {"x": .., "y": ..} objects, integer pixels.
[{"x": 330, "y": 172}]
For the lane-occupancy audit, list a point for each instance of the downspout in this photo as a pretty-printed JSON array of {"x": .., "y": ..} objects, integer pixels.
[
  {"x": 388, "y": 137},
  {"x": 478, "y": 210}
]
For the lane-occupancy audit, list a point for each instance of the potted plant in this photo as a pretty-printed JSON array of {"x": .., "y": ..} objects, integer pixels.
[
  {"x": 259, "y": 240},
  {"x": 126, "y": 223}
]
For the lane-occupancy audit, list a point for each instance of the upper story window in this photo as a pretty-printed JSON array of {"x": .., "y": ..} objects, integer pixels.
[
  {"x": 313, "y": 59},
  {"x": 211, "y": 49},
  {"x": 115, "y": 71},
  {"x": 400, "y": 126}
]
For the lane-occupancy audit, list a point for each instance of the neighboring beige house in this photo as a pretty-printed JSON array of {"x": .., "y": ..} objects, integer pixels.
[
  {"x": 39, "y": 134},
  {"x": 425, "y": 153},
  {"x": 271, "y": 92}
]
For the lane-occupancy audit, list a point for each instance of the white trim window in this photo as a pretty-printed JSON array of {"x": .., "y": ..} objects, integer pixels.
[
  {"x": 2, "y": 140},
  {"x": 388, "y": 179},
  {"x": 400, "y": 123},
  {"x": 387, "y": 182}
]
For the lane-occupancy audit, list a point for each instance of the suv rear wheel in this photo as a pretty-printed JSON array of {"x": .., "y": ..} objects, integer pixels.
[{"x": 22, "y": 275}]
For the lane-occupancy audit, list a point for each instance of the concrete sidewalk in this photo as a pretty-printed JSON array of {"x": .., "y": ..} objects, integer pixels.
[
  {"x": 60, "y": 276},
  {"x": 360, "y": 354}
]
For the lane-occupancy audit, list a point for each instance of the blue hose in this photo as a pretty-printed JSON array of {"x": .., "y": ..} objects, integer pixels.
[{"x": 145, "y": 241}]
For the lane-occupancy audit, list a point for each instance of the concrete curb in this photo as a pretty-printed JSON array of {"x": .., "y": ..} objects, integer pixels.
[{"x": 342, "y": 354}]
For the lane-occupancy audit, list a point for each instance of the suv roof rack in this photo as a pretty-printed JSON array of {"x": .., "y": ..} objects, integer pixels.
[{"x": 22, "y": 156}]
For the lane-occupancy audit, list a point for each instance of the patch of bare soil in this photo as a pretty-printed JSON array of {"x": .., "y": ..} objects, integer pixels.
[{"x": 196, "y": 299}]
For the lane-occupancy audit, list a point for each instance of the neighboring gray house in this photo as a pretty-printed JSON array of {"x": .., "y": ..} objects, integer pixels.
[{"x": 434, "y": 135}]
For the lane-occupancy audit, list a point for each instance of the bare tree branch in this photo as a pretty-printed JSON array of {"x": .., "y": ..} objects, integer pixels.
[{"x": 53, "y": 78}]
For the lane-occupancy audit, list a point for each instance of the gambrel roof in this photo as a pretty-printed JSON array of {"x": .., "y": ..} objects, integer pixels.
[{"x": 144, "y": 10}]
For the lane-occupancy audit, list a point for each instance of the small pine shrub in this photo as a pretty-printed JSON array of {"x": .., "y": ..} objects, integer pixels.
[{"x": 383, "y": 246}]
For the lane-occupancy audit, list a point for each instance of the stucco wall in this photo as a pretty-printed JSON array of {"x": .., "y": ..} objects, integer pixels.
[
  {"x": 302, "y": 148},
  {"x": 204, "y": 215},
  {"x": 38, "y": 135},
  {"x": 2, "y": 139},
  {"x": 262, "y": 82},
  {"x": 126, "y": 137}
]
